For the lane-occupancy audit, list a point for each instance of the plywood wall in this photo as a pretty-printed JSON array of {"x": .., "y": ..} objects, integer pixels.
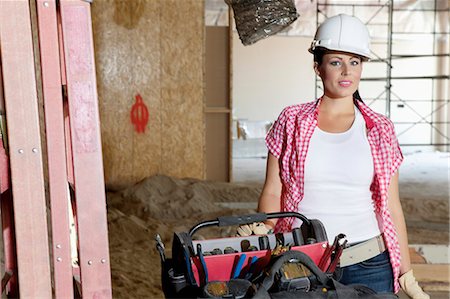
[{"x": 154, "y": 48}]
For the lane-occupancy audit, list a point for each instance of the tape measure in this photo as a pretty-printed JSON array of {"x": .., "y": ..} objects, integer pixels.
[{"x": 294, "y": 276}]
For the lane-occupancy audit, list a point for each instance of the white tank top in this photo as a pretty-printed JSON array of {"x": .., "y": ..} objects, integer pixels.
[{"x": 338, "y": 174}]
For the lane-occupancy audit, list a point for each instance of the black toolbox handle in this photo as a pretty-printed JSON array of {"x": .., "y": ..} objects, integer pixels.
[{"x": 246, "y": 219}]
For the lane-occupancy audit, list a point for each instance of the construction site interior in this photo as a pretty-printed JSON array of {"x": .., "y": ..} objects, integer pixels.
[{"x": 123, "y": 120}]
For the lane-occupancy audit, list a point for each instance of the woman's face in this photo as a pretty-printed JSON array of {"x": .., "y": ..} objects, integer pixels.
[{"x": 340, "y": 73}]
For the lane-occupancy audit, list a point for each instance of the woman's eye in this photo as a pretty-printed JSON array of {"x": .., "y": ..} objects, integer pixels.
[
  {"x": 354, "y": 62},
  {"x": 335, "y": 63}
]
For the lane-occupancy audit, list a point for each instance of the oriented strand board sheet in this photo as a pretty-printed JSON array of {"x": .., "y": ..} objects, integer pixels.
[
  {"x": 217, "y": 102},
  {"x": 182, "y": 89},
  {"x": 154, "y": 48},
  {"x": 218, "y": 146},
  {"x": 217, "y": 67},
  {"x": 126, "y": 37}
]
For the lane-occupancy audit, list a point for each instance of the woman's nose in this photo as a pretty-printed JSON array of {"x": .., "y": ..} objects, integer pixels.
[{"x": 345, "y": 69}]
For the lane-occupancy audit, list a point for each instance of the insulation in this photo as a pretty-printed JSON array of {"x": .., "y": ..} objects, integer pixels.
[
  {"x": 413, "y": 15},
  {"x": 258, "y": 19}
]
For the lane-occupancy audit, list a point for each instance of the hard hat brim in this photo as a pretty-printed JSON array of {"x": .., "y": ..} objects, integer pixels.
[{"x": 364, "y": 56}]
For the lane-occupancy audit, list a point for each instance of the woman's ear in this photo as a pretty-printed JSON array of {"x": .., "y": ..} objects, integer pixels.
[{"x": 316, "y": 69}]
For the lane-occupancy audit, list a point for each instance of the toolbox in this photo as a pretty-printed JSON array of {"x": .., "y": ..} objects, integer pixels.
[{"x": 237, "y": 260}]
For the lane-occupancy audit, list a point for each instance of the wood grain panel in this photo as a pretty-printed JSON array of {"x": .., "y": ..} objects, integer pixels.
[
  {"x": 154, "y": 48},
  {"x": 182, "y": 88},
  {"x": 128, "y": 55}
]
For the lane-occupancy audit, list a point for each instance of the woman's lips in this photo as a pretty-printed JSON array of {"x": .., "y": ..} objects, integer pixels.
[{"x": 345, "y": 83}]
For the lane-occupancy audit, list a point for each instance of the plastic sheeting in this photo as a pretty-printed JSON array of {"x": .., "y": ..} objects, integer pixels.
[{"x": 258, "y": 19}]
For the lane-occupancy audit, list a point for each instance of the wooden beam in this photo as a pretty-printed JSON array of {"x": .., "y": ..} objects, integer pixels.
[
  {"x": 56, "y": 148},
  {"x": 25, "y": 149},
  {"x": 432, "y": 273},
  {"x": 86, "y": 149}
]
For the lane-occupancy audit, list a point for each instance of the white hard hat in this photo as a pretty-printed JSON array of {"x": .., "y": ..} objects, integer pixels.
[{"x": 343, "y": 33}]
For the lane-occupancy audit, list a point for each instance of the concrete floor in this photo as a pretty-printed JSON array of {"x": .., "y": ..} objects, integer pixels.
[{"x": 421, "y": 165}]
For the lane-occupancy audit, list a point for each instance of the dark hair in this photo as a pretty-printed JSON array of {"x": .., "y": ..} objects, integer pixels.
[{"x": 318, "y": 57}]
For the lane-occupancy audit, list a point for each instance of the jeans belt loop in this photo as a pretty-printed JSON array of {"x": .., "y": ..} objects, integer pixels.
[{"x": 362, "y": 251}]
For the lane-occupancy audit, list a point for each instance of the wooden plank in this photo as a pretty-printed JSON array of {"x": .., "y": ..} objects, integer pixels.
[
  {"x": 25, "y": 149},
  {"x": 416, "y": 257},
  {"x": 432, "y": 272},
  {"x": 5, "y": 280},
  {"x": 11, "y": 287},
  {"x": 433, "y": 277},
  {"x": 56, "y": 150},
  {"x": 9, "y": 280},
  {"x": 86, "y": 149},
  {"x": 217, "y": 101}
]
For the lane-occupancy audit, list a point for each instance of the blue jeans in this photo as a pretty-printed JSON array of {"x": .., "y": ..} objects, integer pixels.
[{"x": 375, "y": 273}]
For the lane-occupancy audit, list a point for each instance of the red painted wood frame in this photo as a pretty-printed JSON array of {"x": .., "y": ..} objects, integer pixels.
[
  {"x": 73, "y": 145},
  {"x": 56, "y": 147},
  {"x": 9, "y": 283},
  {"x": 86, "y": 149},
  {"x": 27, "y": 181}
]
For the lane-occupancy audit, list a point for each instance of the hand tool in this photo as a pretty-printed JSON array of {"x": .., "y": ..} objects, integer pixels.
[
  {"x": 297, "y": 236},
  {"x": 202, "y": 261},
  {"x": 216, "y": 251},
  {"x": 340, "y": 243},
  {"x": 160, "y": 247},
  {"x": 187, "y": 259},
  {"x": 252, "y": 248},
  {"x": 330, "y": 253},
  {"x": 263, "y": 243},
  {"x": 239, "y": 264},
  {"x": 249, "y": 273},
  {"x": 279, "y": 239},
  {"x": 245, "y": 244},
  {"x": 229, "y": 249}
]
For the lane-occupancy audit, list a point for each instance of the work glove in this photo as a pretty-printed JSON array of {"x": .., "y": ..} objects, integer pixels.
[
  {"x": 256, "y": 228},
  {"x": 410, "y": 286}
]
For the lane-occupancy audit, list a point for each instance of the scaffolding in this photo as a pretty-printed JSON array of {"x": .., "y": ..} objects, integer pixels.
[{"x": 408, "y": 84}]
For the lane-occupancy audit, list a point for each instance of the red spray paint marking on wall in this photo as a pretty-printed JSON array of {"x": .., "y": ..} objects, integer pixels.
[{"x": 139, "y": 115}]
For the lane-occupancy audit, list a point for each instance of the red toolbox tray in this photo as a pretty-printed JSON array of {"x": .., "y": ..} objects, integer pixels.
[
  {"x": 196, "y": 262},
  {"x": 221, "y": 267}
]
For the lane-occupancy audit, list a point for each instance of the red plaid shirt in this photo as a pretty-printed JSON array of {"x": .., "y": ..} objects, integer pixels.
[{"x": 288, "y": 141}]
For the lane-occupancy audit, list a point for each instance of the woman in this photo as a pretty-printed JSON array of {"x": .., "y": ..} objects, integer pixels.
[{"x": 336, "y": 160}]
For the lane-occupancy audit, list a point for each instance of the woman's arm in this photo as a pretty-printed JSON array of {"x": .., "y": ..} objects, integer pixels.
[
  {"x": 270, "y": 199},
  {"x": 407, "y": 280},
  {"x": 399, "y": 221}
]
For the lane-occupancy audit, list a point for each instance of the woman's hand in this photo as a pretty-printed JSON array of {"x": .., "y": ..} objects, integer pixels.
[{"x": 410, "y": 286}]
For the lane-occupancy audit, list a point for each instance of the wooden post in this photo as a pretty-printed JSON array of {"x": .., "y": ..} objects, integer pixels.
[
  {"x": 24, "y": 149},
  {"x": 56, "y": 147},
  {"x": 74, "y": 152},
  {"x": 86, "y": 149}
]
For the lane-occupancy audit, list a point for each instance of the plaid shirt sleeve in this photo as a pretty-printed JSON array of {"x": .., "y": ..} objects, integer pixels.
[
  {"x": 276, "y": 135},
  {"x": 396, "y": 158},
  {"x": 396, "y": 152}
]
